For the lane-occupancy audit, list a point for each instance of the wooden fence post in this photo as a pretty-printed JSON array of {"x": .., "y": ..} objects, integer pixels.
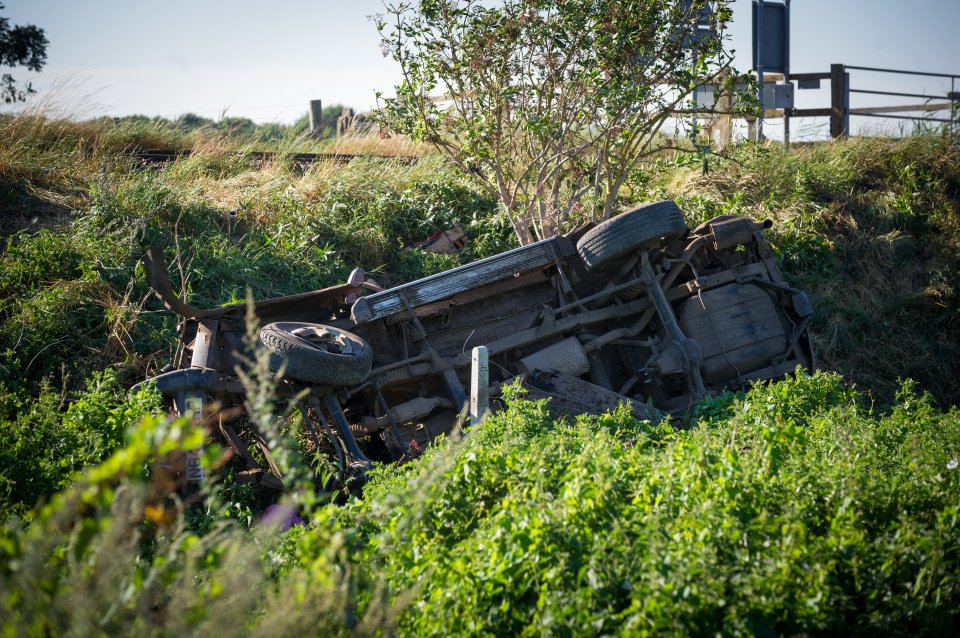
[
  {"x": 344, "y": 122},
  {"x": 724, "y": 123},
  {"x": 839, "y": 101},
  {"x": 316, "y": 118}
]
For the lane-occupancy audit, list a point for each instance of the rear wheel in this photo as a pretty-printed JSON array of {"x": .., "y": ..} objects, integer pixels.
[
  {"x": 316, "y": 353},
  {"x": 642, "y": 228}
]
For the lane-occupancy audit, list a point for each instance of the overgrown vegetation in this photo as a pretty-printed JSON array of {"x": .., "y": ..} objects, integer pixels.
[
  {"x": 243, "y": 129},
  {"x": 74, "y": 297},
  {"x": 795, "y": 508},
  {"x": 819, "y": 504},
  {"x": 871, "y": 226},
  {"x": 45, "y": 440}
]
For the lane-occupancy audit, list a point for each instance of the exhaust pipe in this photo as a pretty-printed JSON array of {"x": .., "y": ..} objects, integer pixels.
[{"x": 734, "y": 232}]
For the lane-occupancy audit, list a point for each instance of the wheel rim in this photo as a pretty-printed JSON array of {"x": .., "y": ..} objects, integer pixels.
[{"x": 332, "y": 341}]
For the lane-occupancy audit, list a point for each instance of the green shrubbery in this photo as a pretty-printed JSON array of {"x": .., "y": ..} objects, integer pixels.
[
  {"x": 805, "y": 511},
  {"x": 45, "y": 440}
]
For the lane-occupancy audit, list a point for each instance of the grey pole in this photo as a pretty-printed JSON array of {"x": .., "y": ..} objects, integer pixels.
[
  {"x": 786, "y": 71},
  {"x": 759, "y": 64},
  {"x": 479, "y": 385}
]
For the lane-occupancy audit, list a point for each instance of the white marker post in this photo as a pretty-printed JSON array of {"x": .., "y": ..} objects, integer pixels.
[{"x": 479, "y": 385}]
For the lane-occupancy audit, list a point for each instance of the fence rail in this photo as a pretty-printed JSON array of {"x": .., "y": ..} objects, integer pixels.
[
  {"x": 840, "y": 110},
  {"x": 901, "y": 72}
]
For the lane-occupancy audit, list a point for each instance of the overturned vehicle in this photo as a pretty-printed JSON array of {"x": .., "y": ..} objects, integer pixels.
[{"x": 638, "y": 309}]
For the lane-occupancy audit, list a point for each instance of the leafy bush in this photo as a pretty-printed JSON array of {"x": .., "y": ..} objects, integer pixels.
[
  {"x": 804, "y": 512},
  {"x": 46, "y": 440}
]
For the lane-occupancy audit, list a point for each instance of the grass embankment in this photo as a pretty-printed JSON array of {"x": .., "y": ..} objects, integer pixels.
[
  {"x": 70, "y": 283},
  {"x": 795, "y": 510},
  {"x": 73, "y": 297},
  {"x": 799, "y": 510},
  {"x": 871, "y": 226}
]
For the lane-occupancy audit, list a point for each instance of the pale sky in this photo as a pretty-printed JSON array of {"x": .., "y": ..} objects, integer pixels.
[{"x": 266, "y": 60}]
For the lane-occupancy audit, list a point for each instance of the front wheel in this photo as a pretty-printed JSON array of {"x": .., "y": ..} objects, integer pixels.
[{"x": 315, "y": 353}]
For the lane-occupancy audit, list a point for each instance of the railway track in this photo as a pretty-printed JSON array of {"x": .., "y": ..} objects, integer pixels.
[{"x": 154, "y": 156}]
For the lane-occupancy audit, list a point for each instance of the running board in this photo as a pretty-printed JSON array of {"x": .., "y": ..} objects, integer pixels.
[{"x": 452, "y": 282}]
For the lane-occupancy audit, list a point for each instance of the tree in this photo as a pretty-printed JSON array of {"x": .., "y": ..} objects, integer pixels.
[
  {"x": 21, "y": 45},
  {"x": 551, "y": 104}
]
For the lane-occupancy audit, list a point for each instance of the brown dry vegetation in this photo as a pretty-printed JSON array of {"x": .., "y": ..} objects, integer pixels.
[{"x": 48, "y": 163}]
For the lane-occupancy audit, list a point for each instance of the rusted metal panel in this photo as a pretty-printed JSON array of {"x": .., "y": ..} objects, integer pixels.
[
  {"x": 577, "y": 396},
  {"x": 737, "y": 329},
  {"x": 715, "y": 281}
]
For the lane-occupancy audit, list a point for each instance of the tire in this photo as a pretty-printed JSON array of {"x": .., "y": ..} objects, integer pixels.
[
  {"x": 642, "y": 228},
  {"x": 315, "y": 353}
]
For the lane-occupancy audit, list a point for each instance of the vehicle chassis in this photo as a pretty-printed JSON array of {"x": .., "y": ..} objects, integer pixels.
[{"x": 639, "y": 309}]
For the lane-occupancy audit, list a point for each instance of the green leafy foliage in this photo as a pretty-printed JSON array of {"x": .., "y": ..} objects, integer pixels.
[
  {"x": 549, "y": 106},
  {"x": 802, "y": 512},
  {"x": 119, "y": 552},
  {"x": 46, "y": 440},
  {"x": 798, "y": 510},
  {"x": 241, "y": 129}
]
